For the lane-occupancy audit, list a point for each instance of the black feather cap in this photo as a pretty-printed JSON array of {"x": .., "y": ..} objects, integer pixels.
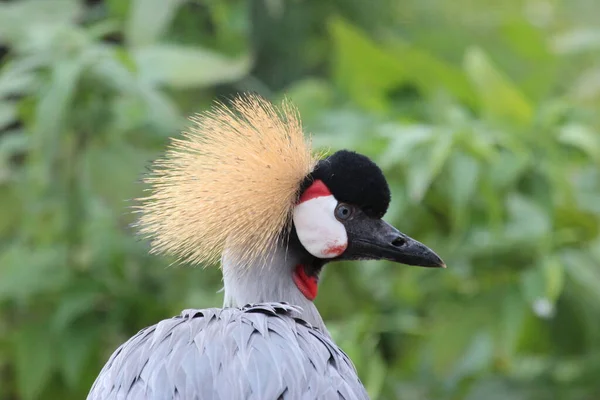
[{"x": 353, "y": 178}]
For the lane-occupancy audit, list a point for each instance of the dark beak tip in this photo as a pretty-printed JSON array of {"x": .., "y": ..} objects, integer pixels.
[
  {"x": 440, "y": 263},
  {"x": 437, "y": 262}
]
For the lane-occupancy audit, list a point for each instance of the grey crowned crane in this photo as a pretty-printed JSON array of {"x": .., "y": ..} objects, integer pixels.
[{"x": 244, "y": 186}]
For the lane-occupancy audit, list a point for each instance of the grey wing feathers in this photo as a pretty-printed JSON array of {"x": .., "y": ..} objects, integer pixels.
[{"x": 259, "y": 352}]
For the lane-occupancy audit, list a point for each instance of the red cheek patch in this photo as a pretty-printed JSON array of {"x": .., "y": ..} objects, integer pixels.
[
  {"x": 317, "y": 189},
  {"x": 335, "y": 249}
]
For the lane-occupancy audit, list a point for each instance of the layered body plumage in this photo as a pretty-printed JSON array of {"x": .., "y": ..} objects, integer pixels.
[
  {"x": 260, "y": 352},
  {"x": 244, "y": 185}
]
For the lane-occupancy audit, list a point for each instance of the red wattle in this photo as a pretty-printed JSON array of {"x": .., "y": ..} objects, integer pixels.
[
  {"x": 317, "y": 189},
  {"x": 308, "y": 285}
]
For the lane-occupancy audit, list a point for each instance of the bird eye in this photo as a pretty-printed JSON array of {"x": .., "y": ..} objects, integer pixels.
[{"x": 343, "y": 211}]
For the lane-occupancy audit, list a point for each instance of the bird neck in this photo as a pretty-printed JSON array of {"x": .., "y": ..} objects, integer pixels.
[{"x": 270, "y": 281}]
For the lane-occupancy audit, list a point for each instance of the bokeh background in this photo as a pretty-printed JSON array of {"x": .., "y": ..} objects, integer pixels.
[{"x": 485, "y": 116}]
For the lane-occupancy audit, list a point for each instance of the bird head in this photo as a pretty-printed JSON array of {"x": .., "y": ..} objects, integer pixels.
[
  {"x": 244, "y": 177},
  {"x": 339, "y": 215}
]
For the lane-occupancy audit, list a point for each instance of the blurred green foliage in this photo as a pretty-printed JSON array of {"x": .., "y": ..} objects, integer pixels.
[{"x": 484, "y": 116}]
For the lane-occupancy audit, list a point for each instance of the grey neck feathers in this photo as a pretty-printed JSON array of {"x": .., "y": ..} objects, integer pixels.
[{"x": 267, "y": 281}]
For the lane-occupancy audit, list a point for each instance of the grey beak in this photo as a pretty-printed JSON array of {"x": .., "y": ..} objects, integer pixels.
[{"x": 375, "y": 239}]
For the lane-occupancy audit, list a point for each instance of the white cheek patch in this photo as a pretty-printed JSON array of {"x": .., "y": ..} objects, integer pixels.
[{"x": 321, "y": 234}]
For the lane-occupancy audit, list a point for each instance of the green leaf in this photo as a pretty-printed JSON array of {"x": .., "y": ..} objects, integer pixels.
[
  {"x": 12, "y": 206},
  {"x": 76, "y": 347},
  {"x": 55, "y": 104},
  {"x": 118, "y": 8},
  {"x": 25, "y": 273},
  {"x": 25, "y": 18},
  {"x": 587, "y": 86},
  {"x": 583, "y": 138},
  {"x": 376, "y": 376},
  {"x": 13, "y": 142},
  {"x": 528, "y": 219},
  {"x": 495, "y": 389},
  {"x": 72, "y": 305},
  {"x": 188, "y": 67},
  {"x": 34, "y": 359},
  {"x": 464, "y": 173},
  {"x": 583, "y": 270},
  {"x": 311, "y": 96},
  {"x": 15, "y": 78},
  {"x": 403, "y": 140},
  {"x": 477, "y": 356},
  {"x": 148, "y": 19},
  {"x": 527, "y": 40},
  {"x": 161, "y": 110},
  {"x": 362, "y": 68},
  {"x": 116, "y": 69},
  {"x": 500, "y": 98},
  {"x": 8, "y": 113},
  {"x": 542, "y": 285},
  {"x": 511, "y": 323},
  {"x": 450, "y": 337},
  {"x": 507, "y": 169},
  {"x": 423, "y": 171},
  {"x": 431, "y": 74},
  {"x": 533, "y": 284},
  {"x": 555, "y": 277},
  {"x": 538, "y": 67},
  {"x": 577, "y": 40},
  {"x": 345, "y": 124}
]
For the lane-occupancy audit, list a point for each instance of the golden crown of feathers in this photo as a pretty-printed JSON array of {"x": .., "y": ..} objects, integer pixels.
[{"x": 232, "y": 178}]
